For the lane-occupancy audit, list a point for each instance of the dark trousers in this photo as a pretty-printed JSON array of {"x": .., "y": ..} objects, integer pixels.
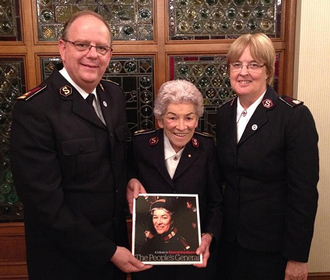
[{"x": 238, "y": 263}]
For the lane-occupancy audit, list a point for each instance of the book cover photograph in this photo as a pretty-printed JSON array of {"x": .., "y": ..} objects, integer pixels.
[{"x": 166, "y": 229}]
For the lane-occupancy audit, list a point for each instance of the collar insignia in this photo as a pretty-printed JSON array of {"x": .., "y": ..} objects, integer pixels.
[
  {"x": 195, "y": 142},
  {"x": 267, "y": 103},
  {"x": 153, "y": 141},
  {"x": 170, "y": 235},
  {"x": 66, "y": 91}
]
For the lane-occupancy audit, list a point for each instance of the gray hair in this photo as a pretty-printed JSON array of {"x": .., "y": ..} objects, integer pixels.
[{"x": 178, "y": 91}]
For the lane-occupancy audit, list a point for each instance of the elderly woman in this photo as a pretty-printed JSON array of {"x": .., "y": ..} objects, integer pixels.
[
  {"x": 177, "y": 159},
  {"x": 267, "y": 148}
]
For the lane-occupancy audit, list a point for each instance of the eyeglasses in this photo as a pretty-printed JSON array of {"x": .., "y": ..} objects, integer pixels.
[
  {"x": 251, "y": 67},
  {"x": 80, "y": 46}
]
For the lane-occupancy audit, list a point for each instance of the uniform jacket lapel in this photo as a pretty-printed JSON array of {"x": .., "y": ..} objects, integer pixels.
[
  {"x": 157, "y": 155},
  {"x": 68, "y": 93},
  {"x": 259, "y": 117},
  {"x": 105, "y": 105},
  {"x": 232, "y": 121},
  {"x": 82, "y": 109},
  {"x": 189, "y": 155}
]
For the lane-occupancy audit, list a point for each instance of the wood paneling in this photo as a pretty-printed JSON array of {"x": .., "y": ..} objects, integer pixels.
[
  {"x": 13, "y": 260},
  {"x": 12, "y": 251}
]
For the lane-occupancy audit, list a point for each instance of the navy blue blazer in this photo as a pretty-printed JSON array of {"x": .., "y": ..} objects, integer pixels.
[
  {"x": 270, "y": 176},
  {"x": 69, "y": 171}
]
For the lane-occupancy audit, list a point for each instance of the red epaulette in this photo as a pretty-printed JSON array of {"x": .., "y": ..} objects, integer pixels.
[
  {"x": 26, "y": 96},
  {"x": 291, "y": 101}
]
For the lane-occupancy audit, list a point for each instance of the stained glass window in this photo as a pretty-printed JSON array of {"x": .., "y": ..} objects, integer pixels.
[
  {"x": 129, "y": 19},
  {"x": 221, "y": 19},
  {"x": 10, "y": 27},
  {"x": 12, "y": 84}
]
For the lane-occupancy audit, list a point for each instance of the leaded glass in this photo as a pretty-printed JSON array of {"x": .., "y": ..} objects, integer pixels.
[
  {"x": 12, "y": 85},
  {"x": 10, "y": 27},
  {"x": 209, "y": 74},
  {"x": 129, "y": 19},
  {"x": 221, "y": 19},
  {"x": 135, "y": 75}
]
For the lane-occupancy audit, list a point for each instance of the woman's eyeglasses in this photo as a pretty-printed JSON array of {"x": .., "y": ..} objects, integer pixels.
[{"x": 252, "y": 67}]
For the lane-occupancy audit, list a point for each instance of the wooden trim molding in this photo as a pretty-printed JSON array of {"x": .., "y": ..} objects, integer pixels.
[
  {"x": 319, "y": 276},
  {"x": 12, "y": 257}
]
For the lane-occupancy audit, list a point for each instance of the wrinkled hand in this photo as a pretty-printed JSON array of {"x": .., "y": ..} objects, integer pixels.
[
  {"x": 204, "y": 249},
  {"x": 133, "y": 188},
  {"x": 126, "y": 262},
  {"x": 296, "y": 270}
]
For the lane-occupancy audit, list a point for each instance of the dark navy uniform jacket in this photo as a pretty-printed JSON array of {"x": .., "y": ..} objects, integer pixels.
[
  {"x": 69, "y": 171},
  {"x": 270, "y": 176},
  {"x": 197, "y": 173}
]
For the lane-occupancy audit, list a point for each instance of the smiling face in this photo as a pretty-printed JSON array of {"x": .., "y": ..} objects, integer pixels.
[
  {"x": 161, "y": 220},
  {"x": 86, "y": 68},
  {"x": 247, "y": 84},
  {"x": 179, "y": 123}
]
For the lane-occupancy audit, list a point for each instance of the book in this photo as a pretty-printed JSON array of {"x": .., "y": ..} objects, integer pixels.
[{"x": 166, "y": 229}]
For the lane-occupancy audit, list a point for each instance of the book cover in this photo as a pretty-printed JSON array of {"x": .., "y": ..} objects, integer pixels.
[{"x": 166, "y": 229}]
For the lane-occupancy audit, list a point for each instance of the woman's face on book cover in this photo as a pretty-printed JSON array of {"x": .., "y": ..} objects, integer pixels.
[{"x": 161, "y": 220}]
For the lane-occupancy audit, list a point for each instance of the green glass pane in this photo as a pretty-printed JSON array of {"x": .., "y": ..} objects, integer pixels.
[
  {"x": 12, "y": 85},
  {"x": 10, "y": 26},
  {"x": 223, "y": 19},
  {"x": 129, "y": 19}
]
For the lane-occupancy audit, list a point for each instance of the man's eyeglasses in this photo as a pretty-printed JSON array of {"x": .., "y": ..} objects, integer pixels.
[
  {"x": 252, "y": 67},
  {"x": 80, "y": 46}
]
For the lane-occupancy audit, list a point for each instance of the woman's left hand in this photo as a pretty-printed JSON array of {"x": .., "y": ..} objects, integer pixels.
[{"x": 204, "y": 249}]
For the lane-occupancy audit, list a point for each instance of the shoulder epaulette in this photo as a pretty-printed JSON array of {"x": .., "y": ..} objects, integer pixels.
[
  {"x": 26, "y": 96},
  {"x": 291, "y": 101},
  {"x": 205, "y": 134},
  {"x": 110, "y": 81},
  {"x": 144, "y": 131},
  {"x": 230, "y": 100}
]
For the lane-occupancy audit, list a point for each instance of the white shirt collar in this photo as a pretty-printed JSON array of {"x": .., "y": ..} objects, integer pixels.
[
  {"x": 249, "y": 111},
  {"x": 83, "y": 93}
]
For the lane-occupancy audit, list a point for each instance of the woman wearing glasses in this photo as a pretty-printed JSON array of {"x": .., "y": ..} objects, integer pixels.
[{"x": 267, "y": 148}]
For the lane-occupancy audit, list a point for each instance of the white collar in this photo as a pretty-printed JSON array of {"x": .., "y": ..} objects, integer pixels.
[
  {"x": 83, "y": 93},
  {"x": 250, "y": 110}
]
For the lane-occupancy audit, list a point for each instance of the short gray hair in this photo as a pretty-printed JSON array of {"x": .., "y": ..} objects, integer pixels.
[{"x": 178, "y": 91}]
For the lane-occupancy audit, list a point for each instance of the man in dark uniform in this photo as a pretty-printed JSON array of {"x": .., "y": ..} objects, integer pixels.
[{"x": 68, "y": 160}]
